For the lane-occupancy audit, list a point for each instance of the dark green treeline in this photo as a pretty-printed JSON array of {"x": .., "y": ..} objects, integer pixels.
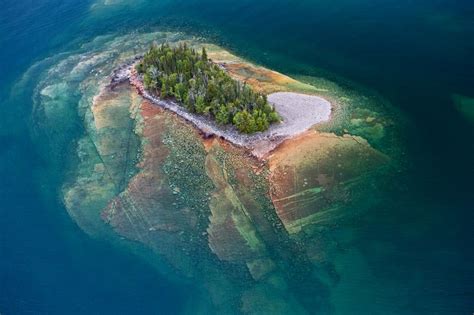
[{"x": 204, "y": 88}]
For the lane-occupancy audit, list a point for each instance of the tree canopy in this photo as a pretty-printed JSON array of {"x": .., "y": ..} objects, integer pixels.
[{"x": 204, "y": 88}]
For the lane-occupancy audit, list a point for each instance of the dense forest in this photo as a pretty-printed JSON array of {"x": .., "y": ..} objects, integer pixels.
[{"x": 204, "y": 88}]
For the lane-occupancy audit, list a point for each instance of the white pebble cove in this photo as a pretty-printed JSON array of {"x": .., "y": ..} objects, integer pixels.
[{"x": 299, "y": 112}]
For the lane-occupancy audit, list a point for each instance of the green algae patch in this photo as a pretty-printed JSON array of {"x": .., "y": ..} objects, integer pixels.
[
  {"x": 465, "y": 105},
  {"x": 227, "y": 207},
  {"x": 90, "y": 191},
  {"x": 107, "y": 156}
]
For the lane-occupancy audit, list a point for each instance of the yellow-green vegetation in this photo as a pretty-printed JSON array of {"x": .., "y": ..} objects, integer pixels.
[
  {"x": 465, "y": 105},
  {"x": 204, "y": 88}
]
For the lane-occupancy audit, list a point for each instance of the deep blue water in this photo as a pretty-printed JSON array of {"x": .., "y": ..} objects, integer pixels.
[{"x": 415, "y": 54}]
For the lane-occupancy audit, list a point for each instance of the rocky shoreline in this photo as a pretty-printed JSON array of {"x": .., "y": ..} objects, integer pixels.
[{"x": 299, "y": 113}]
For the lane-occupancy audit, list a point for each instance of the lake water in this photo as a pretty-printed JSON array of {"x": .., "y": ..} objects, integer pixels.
[{"x": 414, "y": 254}]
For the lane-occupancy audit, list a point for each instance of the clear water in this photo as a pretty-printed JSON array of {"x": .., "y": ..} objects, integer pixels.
[{"x": 413, "y": 255}]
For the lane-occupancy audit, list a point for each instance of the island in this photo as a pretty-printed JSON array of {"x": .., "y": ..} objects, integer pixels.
[
  {"x": 248, "y": 218},
  {"x": 204, "y": 88},
  {"x": 218, "y": 101}
]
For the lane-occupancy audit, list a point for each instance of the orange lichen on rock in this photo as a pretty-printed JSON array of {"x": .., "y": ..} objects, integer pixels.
[{"x": 261, "y": 79}]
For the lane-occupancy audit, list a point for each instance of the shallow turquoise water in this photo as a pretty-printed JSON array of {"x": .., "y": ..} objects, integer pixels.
[{"x": 410, "y": 255}]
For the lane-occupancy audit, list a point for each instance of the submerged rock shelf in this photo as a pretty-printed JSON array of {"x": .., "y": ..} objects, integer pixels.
[{"x": 252, "y": 234}]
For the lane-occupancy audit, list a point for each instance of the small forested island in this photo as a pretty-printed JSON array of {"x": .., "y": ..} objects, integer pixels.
[
  {"x": 202, "y": 87},
  {"x": 236, "y": 214}
]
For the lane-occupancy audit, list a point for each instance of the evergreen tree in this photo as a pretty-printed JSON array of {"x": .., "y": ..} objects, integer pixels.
[{"x": 200, "y": 104}]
